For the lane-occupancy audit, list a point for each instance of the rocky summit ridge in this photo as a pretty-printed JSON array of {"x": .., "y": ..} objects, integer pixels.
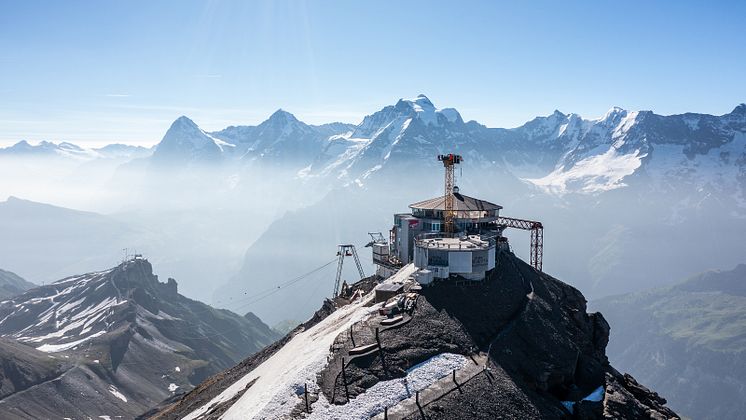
[{"x": 519, "y": 345}]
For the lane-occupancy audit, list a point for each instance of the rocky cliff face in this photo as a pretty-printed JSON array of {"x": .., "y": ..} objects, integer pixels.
[
  {"x": 113, "y": 343},
  {"x": 519, "y": 345}
]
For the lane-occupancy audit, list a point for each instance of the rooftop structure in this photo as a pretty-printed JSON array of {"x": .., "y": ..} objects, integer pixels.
[
  {"x": 461, "y": 204},
  {"x": 451, "y": 236}
]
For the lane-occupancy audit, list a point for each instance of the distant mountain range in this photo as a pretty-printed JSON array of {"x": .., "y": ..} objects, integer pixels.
[
  {"x": 687, "y": 341},
  {"x": 560, "y": 153},
  {"x": 72, "y": 151},
  {"x": 113, "y": 343},
  {"x": 623, "y": 196}
]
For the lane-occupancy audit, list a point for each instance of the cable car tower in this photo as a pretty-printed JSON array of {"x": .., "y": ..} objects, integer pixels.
[
  {"x": 342, "y": 252},
  {"x": 449, "y": 163}
]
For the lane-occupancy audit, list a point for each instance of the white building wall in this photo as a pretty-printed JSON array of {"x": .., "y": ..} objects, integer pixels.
[
  {"x": 403, "y": 239},
  {"x": 459, "y": 262},
  {"x": 420, "y": 257}
]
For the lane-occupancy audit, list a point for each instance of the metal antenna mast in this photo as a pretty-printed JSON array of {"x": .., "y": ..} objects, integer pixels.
[
  {"x": 346, "y": 251},
  {"x": 449, "y": 162}
]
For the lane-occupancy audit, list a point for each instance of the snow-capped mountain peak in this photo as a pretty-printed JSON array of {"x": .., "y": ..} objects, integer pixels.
[
  {"x": 185, "y": 141},
  {"x": 185, "y": 122},
  {"x": 614, "y": 110},
  {"x": 282, "y": 117},
  {"x": 423, "y": 109},
  {"x": 420, "y": 104}
]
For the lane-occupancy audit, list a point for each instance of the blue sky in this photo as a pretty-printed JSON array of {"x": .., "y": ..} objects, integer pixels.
[{"x": 95, "y": 72}]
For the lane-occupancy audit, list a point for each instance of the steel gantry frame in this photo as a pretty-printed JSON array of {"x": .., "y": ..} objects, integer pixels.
[
  {"x": 343, "y": 251},
  {"x": 537, "y": 237}
]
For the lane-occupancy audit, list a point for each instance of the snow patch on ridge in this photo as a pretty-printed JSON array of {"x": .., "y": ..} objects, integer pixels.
[
  {"x": 115, "y": 392},
  {"x": 54, "y": 348},
  {"x": 389, "y": 393}
]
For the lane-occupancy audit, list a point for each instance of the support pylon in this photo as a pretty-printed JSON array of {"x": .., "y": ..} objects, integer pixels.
[{"x": 342, "y": 252}]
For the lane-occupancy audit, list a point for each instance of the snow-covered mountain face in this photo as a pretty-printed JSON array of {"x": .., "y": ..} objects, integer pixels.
[
  {"x": 559, "y": 154},
  {"x": 399, "y": 134},
  {"x": 703, "y": 151},
  {"x": 136, "y": 340},
  {"x": 280, "y": 140}
]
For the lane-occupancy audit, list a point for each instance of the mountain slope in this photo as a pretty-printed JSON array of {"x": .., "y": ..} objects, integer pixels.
[
  {"x": 124, "y": 341},
  {"x": 23, "y": 367},
  {"x": 686, "y": 340},
  {"x": 519, "y": 345},
  {"x": 12, "y": 285}
]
